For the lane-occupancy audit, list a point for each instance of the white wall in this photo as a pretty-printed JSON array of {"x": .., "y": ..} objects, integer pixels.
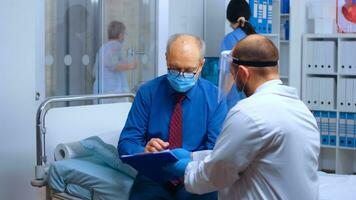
[
  {"x": 298, "y": 26},
  {"x": 17, "y": 97},
  {"x": 162, "y": 34},
  {"x": 186, "y": 16}
]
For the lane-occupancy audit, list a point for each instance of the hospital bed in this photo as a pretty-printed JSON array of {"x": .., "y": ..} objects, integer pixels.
[
  {"x": 96, "y": 180},
  {"x": 85, "y": 177}
]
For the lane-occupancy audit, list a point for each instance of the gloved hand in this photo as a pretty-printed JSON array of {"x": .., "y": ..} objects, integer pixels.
[
  {"x": 178, "y": 168},
  {"x": 181, "y": 153}
]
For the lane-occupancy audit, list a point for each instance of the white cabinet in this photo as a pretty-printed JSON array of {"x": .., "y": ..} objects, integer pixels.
[{"x": 329, "y": 90}]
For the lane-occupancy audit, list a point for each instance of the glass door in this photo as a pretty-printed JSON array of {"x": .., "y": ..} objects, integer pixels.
[{"x": 99, "y": 46}]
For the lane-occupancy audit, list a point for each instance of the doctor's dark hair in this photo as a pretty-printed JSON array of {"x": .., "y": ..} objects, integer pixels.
[
  {"x": 115, "y": 29},
  {"x": 200, "y": 42},
  {"x": 238, "y": 11}
]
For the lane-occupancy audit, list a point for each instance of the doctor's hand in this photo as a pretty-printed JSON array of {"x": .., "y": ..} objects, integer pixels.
[
  {"x": 181, "y": 153},
  {"x": 178, "y": 168},
  {"x": 156, "y": 145}
]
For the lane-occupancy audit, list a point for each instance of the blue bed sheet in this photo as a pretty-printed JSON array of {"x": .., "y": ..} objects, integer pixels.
[{"x": 89, "y": 177}]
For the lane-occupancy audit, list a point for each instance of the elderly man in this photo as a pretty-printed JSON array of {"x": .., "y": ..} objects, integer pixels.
[
  {"x": 177, "y": 110},
  {"x": 269, "y": 145}
]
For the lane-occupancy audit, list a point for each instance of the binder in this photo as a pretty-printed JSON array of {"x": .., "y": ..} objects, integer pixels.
[
  {"x": 332, "y": 128},
  {"x": 151, "y": 164},
  {"x": 342, "y": 129},
  {"x": 330, "y": 93},
  {"x": 269, "y": 16},
  {"x": 308, "y": 92},
  {"x": 309, "y": 55},
  {"x": 254, "y": 12},
  {"x": 324, "y": 93},
  {"x": 354, "y": 96},
  {"x": 349, "y": 93},
  {"x": 260, "y": 16},
  {"x": 324, "y": 128},
  {"x": 347, "y": 58},
  {"x": 350, "y": 130},
  {"x": 322, "y": 54},
  {"x": 316, "y": 93},
  {"x": 328, "y": 49},
  {"x": 317, "y": 56},
  {"x": 264, "y": 16},
  {"x": 341, "y": 94},
  {"x": 317, "y": 116},
  {"x": 349, "y": 55},
  {"x": 343, "y": 57},
  {"x": 354, "y": 130}
]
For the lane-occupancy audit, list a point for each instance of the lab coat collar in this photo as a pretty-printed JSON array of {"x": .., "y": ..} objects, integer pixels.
[
  {"x": 268, "y": 84},
  {"x": 276, "y": 87}
]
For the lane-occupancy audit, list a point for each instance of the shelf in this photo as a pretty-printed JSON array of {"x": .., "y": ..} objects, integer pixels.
[
  {"x": 270, "y": 35},
  {"x": 347, "y": 148},
  {"x": 284, "y": 14},
  {"x": 321, "y": 109},
  {"x": 328, "y": 146},
  {"x": 347, "y": 75},
  {"x": 322, "y": 74},
  {"x": 330, "y": 36},
  {"x": 283, "y": 77},
  {"x": 284, "y": 41}
]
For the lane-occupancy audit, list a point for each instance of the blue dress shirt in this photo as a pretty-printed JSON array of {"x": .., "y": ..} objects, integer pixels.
[
  {"x": 228, "y": 43},
  {"x": 151, "y": 112}
]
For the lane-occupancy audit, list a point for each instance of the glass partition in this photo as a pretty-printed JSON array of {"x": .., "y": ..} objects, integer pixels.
[{"x": 99, "y": 46}]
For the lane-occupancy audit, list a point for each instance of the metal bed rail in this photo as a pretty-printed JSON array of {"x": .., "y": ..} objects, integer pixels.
[{"x": 41, "y": 157}]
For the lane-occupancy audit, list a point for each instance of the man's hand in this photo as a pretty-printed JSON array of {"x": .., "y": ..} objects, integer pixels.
[{"x": 156, "y": 145}]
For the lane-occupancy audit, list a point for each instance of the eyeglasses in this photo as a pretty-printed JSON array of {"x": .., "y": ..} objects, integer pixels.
[{"x": 177, "y": 73}]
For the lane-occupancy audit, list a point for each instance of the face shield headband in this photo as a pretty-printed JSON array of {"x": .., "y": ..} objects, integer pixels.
[{"x": 237, "y": 62}]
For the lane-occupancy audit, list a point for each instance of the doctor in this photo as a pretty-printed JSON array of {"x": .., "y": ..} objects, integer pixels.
[
  {"x": 238, "y": 14},
  {"x": 269, "y": 145}
]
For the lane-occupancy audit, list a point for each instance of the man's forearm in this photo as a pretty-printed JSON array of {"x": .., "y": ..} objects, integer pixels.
[{"x": 127, "y": 147}]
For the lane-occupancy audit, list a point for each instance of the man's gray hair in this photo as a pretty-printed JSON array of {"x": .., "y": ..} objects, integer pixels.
[
  {"x": 199, "y": 41},
  {"x": 115, "y": 29}
]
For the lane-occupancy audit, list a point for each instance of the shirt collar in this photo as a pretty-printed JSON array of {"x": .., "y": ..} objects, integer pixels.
[
  {"x": 189, "y": 94},
  {"x": 268, "y": 84}
]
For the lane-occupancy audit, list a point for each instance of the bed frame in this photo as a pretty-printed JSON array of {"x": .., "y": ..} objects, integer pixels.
[{"x": 42, "y": 161}]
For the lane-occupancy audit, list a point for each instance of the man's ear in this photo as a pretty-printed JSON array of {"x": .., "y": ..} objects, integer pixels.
[
  {"x": 201, "y": 64},
  {"x": 244, "y": 73}
]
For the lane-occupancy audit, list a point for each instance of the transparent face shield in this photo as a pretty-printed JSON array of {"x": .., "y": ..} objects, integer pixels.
[{"x": 226, "y": 79}]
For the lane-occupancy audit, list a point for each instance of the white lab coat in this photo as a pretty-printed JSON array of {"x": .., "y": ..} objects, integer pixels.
[{"x": 268, "y": 149}]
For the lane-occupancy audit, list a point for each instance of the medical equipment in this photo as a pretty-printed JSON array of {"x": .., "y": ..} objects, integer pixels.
[{"x": 57, "y": 125}]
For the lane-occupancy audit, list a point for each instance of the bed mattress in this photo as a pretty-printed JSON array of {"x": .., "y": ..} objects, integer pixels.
[
  {"x": 89, "y": 178},
  {"x": 337, "y": 187}
]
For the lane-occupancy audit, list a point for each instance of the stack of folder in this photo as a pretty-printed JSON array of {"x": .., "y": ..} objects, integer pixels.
[
  {"x": 327, "y": 125},
  {"x": 261, "y": 15}
]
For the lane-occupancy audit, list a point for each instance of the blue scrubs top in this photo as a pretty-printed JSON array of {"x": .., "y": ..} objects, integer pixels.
[{"x": 228, "y": 43}]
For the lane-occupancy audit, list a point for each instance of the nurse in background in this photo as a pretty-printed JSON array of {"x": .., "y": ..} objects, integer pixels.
[
  {"x": 111, "y": 64},
  {"x": 238, "y": 13}
]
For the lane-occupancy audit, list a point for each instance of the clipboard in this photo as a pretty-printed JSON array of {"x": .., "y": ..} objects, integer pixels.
[{"x": 151, "y": 164}]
